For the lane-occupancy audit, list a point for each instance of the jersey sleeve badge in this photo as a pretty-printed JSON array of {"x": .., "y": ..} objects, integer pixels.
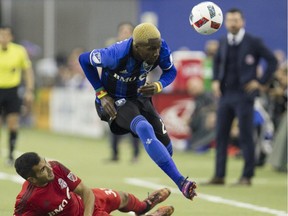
[
  {"x": 72, "y": 177},
  {"x": 62, "y": 183},
  {"x": 96, "y": 57}
]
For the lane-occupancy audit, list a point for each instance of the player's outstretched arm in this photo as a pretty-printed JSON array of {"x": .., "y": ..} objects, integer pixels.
[
  {"x": 88, "y": 198},
  {"x": 90, "y": 71}
]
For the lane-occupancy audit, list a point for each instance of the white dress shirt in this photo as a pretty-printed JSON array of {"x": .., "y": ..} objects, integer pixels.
[{"x": 236, "y": 39}]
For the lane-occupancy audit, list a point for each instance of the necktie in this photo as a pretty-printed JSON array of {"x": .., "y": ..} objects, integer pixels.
[{"x": 234, "y": 40}]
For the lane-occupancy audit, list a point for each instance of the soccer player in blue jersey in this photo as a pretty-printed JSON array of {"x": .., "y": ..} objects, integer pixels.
[{"x": 123, "y": 97}]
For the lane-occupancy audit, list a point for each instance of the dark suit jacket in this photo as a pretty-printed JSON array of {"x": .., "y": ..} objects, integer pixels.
[{"x": 251, "y": 50}]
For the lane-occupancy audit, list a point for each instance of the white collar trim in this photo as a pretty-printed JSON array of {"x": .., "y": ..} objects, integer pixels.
[{"x": 238, "y": 37}]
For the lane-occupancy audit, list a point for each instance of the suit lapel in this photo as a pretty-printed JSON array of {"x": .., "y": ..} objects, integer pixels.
[
  {"x": 243, "y": 47},
  {"x": 223, "y": 52}
]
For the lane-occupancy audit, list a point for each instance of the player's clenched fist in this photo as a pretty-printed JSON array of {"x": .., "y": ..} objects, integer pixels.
[
  {"x": 150, "y": 89},
  {"x": 108, "y": 105}
]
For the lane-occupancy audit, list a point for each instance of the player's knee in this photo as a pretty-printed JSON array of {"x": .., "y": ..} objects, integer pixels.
[
  {"x": 13, "y": 121},
  {"x": 144, "y": 126},
  {"x": 139, "y": 123}
]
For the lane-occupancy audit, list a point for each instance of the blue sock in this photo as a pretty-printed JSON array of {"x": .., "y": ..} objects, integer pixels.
[
  {"x": 155, "y": 149},
  {"x": 169, "y": 148}
]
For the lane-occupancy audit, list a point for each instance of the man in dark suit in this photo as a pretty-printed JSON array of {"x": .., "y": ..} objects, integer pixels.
[{"x": 236, "y": 83}]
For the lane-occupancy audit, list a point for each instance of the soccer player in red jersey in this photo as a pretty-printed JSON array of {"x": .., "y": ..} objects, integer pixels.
[{"x": 52, "y": 189}]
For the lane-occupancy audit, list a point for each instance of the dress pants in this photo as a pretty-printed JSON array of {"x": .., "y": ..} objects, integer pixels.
[{"x": 231, "y": 105}]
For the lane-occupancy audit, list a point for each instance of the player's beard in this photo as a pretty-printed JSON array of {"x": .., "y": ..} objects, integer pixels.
[
  {"x": 51, "y": 176},
  {"x": 152, "y": 60}
]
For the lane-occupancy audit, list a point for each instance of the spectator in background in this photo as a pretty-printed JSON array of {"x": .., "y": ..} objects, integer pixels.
[
  {"x": 263, "y": 132},
  {"x": 202, "y": 120},
  {"x": 46, "y": 71},
  {"x": 210, "y": 50},
  {"x": 236, "y": 84},
  {"x": 277, "y": 93},
  {"x": 273, "y": 104},
  {"x": 70, "y": 74},
  {"x": 124, "y": 31},
  {"x": 278, "y": 156},
  {"x": 278, "y": 96},
  {"x": 14, "y": 65}
]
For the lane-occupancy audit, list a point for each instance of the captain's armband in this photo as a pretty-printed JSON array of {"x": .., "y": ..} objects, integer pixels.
[{"x": 101, "y": 92}]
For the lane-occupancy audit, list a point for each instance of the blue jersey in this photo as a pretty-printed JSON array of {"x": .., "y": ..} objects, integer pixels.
[{"x": 121, "y": 73}]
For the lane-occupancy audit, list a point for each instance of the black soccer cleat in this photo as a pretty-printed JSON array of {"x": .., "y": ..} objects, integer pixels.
[{"x": 188, "y": 189}]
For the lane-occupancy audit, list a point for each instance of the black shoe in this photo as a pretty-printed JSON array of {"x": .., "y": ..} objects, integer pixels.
[
  {"x": 10, "y": 162},
  {"x": 111, "y": 160},
  {"x": 188, "y": 189},
  {"x": 134, "y": 160},
  {"x": 243, "y": 181},
  {"x": 215, "y": 181}
]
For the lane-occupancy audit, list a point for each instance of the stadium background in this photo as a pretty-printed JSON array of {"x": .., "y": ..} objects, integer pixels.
[
  {"x": 58, "y": 25},
  {"x": 50, "y": 27}
]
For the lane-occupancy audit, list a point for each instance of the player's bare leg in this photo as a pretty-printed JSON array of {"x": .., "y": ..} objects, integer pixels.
[{"x": 13, "y": 126}]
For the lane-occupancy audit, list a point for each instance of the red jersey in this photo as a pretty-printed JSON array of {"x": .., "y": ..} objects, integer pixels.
[{"x": 56, "y": 198}]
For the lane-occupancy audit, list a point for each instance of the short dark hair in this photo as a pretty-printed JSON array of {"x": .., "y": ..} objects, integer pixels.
[
  {"x": 25, "y": 163},
  {"x": 125, "y": 23},
  {"x": 236, "y": 10},
  {"x": 5, "y": 27}
]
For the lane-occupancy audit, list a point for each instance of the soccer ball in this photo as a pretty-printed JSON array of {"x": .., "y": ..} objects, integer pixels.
[{"x": 206, "y": 17}]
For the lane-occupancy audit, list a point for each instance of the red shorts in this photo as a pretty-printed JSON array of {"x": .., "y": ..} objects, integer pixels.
[{"x": 106, "y": 201}]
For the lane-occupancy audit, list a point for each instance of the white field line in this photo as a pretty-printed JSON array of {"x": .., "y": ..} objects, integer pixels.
[
  {"x": 10, "y": 177},
  {"x": 210, "y": 198},
  {"x": 151, "y": 185}
]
